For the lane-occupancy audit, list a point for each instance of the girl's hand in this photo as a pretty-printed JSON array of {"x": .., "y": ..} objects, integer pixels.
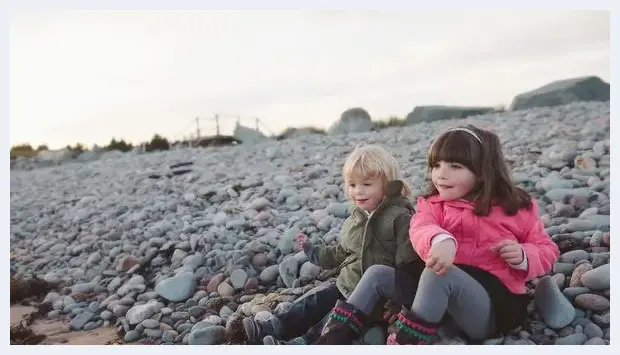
[
  {"x": 509, "y": 250},
  {"x": 441, "y": 256}
]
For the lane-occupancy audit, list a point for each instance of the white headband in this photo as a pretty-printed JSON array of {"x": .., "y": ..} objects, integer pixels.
[{"x": 466, "y": 130}]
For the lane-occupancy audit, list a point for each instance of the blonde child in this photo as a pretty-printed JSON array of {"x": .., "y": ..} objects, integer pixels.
[{"x": 375, "y": 233}]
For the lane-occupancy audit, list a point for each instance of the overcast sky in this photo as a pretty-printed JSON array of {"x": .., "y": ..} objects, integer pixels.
[{"x": 88, "y": 76}]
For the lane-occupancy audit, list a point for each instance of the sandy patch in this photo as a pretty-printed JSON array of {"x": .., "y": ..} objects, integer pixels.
[{"x": 57, "y": 331}]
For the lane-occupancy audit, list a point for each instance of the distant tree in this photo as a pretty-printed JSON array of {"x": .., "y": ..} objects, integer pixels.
[
  {"x": 78, "y": 148},
  {"x": 42, "y": 147},
  {"x": 391, "y": 122},
  {"x": 118, "y": 145},
  {"x": 22, "y": 150},
  {"x": 157, "y": 143}
]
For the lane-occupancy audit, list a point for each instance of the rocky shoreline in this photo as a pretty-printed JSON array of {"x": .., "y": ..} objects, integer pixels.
[{"x": 181, "y": 259}]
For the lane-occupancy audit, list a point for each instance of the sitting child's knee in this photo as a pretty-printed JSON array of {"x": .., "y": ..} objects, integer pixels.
[
  {"x": 377, "y": 272},
  {"x": 429, "y": 275}
]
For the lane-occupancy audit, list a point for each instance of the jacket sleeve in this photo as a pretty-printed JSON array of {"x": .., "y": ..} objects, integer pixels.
[
  {"x": 327, "y": 257},
  {"x": 404, "y": 250},
  {"x": 541, "y": 252},
  {"x": 424, "y": 226}
]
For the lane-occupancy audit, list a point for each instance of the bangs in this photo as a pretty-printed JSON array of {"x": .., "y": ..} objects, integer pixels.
[
  {"x": 456, "y": 147},
  {"x": 363, "y": 167}
]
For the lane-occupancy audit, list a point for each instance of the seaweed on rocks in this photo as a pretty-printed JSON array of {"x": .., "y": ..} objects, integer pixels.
[
  {"x": 23, "y": 335},
  {"x": 22, "y": 291}
]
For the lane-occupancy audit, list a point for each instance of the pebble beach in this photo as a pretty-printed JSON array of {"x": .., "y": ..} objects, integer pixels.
[{"x": 181, "y": 259}]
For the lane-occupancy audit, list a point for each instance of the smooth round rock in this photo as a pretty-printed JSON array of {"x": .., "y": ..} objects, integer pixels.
[
  {"x": 131, "y": 336},
  {"x": 153, "y": 333},
  {"x": 225, "y": 290},
  {"x": 555, "y": 309},
  {"x": 238, "y": 278},
  {"x": 592, "y": 302},
  {"x": 150, "y": 323},
  {"x": 177, "y": 288},
  {"x": 575, "y": 280},
  {"x": 573, "y": 256},
  {"x": 597, "y": 279},
  {"x": 572, "y": 292},
  {"x": 139, "y": 313},
  {"x": 592, "y": 330},
  {"x": 207, "y": 336}
]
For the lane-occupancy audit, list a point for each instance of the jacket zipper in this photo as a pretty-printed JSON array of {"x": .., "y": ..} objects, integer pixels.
[{"x": 366, "y": 230}]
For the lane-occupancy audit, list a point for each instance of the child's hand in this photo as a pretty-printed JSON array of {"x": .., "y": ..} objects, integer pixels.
[
  {"x": 441, "y": 256},
  {"x": 300, "y": 242},
  {"x": 509, "y": 250}
]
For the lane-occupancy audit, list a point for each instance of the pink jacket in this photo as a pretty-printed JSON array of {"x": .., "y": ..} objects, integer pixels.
[{"x": 475, "y": 235}]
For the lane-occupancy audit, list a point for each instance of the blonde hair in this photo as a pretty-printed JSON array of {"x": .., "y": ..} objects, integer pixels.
[{"x": 369, "y": 160}]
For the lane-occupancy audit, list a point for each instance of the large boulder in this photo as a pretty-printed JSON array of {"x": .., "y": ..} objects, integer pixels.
[
  {"x": 437, "y": 112},
  {"x": 562, "y": 92},
  {"x": 353, "y": 120},
  {"x": 248, "y": 135}
]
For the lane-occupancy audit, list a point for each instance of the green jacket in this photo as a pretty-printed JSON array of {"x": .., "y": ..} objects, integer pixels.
[{"x": 382, "y": 238}]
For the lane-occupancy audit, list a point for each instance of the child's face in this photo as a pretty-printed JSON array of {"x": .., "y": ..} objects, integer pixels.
[
  {"x": 366, "y": 191},
  {"x": 452, "y": 180}
]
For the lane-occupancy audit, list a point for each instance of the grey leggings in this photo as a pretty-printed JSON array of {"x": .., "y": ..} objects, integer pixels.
[{"x": 455, "y": 292}]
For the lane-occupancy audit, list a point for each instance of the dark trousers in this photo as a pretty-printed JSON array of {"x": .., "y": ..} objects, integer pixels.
[{"x": 306, "y": 316}]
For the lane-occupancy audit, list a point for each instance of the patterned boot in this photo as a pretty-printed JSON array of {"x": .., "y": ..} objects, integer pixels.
[
  {"x": 344, "y": 324},
  {"x": 409, "y": 329}
]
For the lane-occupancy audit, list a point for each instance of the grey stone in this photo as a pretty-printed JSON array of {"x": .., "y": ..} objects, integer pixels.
[
  {"x": 177, "y": 288},
  {"x": 555, "y": 309},
  {"x": 597, "y": 279},
  {"x": 80, "y": 320},
  {"x": 209, "y": 335}
]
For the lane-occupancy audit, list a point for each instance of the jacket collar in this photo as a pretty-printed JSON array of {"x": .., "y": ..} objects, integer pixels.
[{"x": 460, "y": 203}]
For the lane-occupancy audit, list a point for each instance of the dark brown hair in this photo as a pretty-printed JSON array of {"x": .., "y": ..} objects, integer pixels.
[{"x": 486, "y": 160}]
